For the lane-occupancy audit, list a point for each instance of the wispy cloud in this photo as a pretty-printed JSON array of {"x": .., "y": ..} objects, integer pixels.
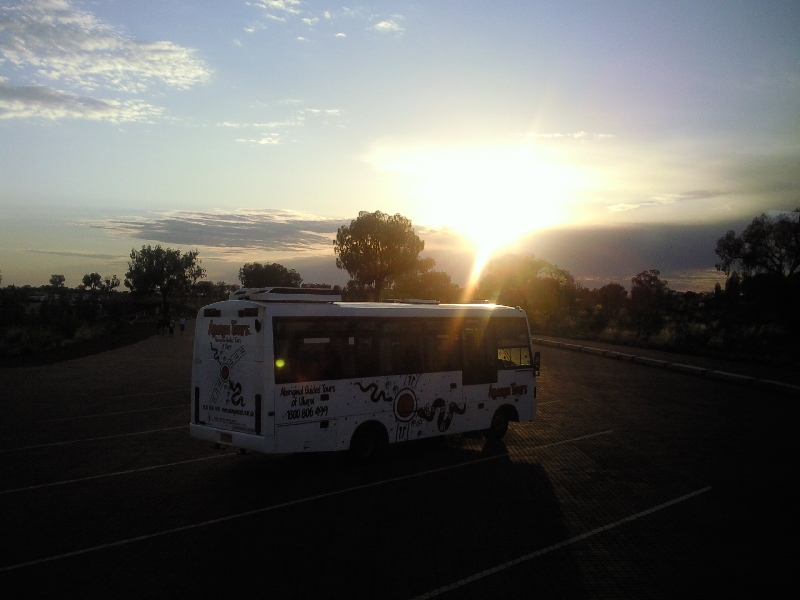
[
  {"x": 298, "y": 119},
  {"x": 35, "y": 101},
  {"x": 294, "y": 11},
  {"x": 59, "y": 42},
  {"x": 388, "y": 26},
  {"x": 265, "y": 230},
  {"x": 266, "y": 139},
  {"x": 54, "y": 46},
  {"x": 576, "y": 135},
  {"x": 77, "y": 254},
  {"x": 287, "y": 6},
  {"x": 663, "y": 199}
]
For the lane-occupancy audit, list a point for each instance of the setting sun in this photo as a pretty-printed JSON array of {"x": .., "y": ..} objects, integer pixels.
[{"x": 493, "y": 194}]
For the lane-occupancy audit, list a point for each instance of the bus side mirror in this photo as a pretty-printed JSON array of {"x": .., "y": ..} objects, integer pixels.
[{"x": 537, "y": 359}]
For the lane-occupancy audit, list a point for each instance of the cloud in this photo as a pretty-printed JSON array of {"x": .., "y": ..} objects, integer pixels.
[
  {"x": 263, "y": 230},
  {"x": 340, "y": 35},
  {"x": 299, "y": 118},
  {"x": 622, "y": 207},
  {"x": 35, "y": 101},
  {"x": 310, "y": 22},
  {"x": 53, "y": 41},
  {"x": 388, "y": 26},
  {"x": 577, "y": 135},
  {"x": 78, "y": 254},
  {"x": 287, "y": 6},
  {"x": 683, "y": 253},
  {"x": 267, "y": 139},
  {"x": 669, "y": 199}
]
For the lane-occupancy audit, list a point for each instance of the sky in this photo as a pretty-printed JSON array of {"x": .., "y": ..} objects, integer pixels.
[{"x": 606, "y": 137}]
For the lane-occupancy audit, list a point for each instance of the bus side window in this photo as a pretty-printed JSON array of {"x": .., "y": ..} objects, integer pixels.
[
  {"x": 513, "y": 350},
  {"x": 366, "y": 355},
  {"x": 480, "y": 362},
  {"x": 442, "y": 345}
]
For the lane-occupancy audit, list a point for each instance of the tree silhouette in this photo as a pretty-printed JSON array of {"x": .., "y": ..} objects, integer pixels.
[
  {"x": 164, "y": 271},
  {"x": 268, "y": 275},
  {"x": 769, "y": 245},
  {"x": 426, "y": 284},
  {"x": 376, "y": 249},
  {"x": 95, "y": 283},
  {"x": 648, "y": 294}
]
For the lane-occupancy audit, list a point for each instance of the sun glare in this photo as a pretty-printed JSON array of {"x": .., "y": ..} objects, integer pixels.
[{"x": 492, "y": 194}]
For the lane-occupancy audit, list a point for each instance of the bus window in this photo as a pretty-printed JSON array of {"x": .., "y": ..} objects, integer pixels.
[
  {"x": 442, "y": 346},
  {"x": 365, "y": 362},
  {"x": 480, "y": 363},
  {"x": 513, "y": 350},
  {"x": 400, "y": 347},
  {"x": 311, "y": 351}
]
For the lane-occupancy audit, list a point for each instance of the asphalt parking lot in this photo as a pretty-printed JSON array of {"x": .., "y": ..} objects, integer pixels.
[{"x": 631, "y": 482}]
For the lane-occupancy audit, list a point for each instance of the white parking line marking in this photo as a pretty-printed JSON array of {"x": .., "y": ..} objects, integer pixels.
[
  {"x": 265, "y": 509},
  {"x": 126, "y": 412},
  {"x": 572, "y": 540},
  {"x": 107, "y": 437},
  {"x": 115, "y": 473}
]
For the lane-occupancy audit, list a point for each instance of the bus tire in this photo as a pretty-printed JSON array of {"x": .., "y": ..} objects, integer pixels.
[
  {"x": 499, "y": 425},
  {"x": 368, "y": 443}
]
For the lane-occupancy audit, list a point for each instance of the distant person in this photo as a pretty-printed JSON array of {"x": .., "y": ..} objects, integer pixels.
[
  {"x": 182, "y": 324},
  {"x": 172, "y": 326}
]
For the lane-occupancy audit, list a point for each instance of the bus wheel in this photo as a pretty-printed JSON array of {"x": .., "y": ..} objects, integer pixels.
[
  {"x": 368, "y": 442},
  {"x": 498, "y": 427}
]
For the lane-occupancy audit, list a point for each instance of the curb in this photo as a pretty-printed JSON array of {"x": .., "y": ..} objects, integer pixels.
[{"x": 740, "y": 380}]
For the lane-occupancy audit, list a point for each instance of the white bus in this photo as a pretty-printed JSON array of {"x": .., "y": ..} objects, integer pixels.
[{"x": 281, "y": 370}]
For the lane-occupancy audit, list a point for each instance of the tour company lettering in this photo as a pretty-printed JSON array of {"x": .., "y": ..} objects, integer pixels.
[
  {"x": 217, "y": 330},
  {"x": 308, "y": 389},
  {"x": 505, "y": 392},
  {"x": 303, "y": 402}
]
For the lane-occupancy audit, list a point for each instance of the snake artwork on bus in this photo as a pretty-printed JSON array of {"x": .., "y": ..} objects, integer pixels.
[
  {"x": 234, "y": 392},
  {"x": 406, "y": 405}
]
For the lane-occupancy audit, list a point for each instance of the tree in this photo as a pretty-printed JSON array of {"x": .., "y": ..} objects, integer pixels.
[
  {"x": 648, "y": 293},
  {"x": 376, "y": 249},
  {"x": 612, "y": 297},
  {"x": 529, "y": 282},
  {"x": 57, "y": 281},
  {"x": 769, "y": 245},
  {"x": 94, "y": 282},
  {"x": 164, "y": 271},
  {"x": 426, "y": 284},
  {"x": 253, "y": 275}
]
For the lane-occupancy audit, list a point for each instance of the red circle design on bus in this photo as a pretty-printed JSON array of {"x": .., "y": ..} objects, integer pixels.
[
  {"x": 225, "y": 372},
  {"x": 405, "y": 404}
]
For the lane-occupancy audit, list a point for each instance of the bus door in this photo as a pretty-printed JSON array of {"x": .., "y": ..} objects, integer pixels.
[
  {"x": 480, "y": 366},
  {"x": 228, "y": 370},
  {"x": 516, "y": 381}
]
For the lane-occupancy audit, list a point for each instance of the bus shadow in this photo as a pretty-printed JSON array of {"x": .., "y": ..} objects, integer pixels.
[{"x": 446, "y": 509}]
